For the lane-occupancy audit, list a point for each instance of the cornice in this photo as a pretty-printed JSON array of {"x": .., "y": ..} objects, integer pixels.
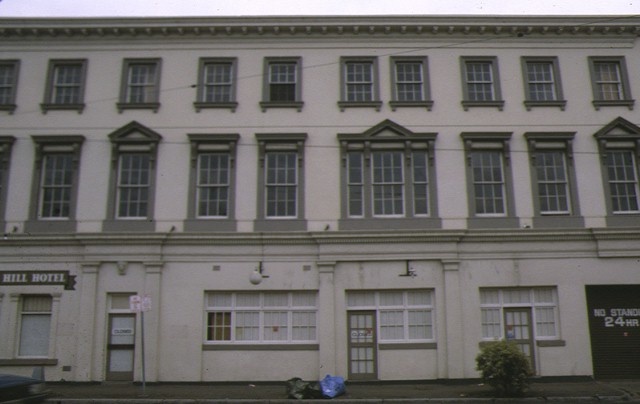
[{"x": 304, "y": 26}]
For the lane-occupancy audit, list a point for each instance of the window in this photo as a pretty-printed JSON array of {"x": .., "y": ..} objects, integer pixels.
[
  {"x": 261, "y": 317},
  {"x": 132, "y": 186},
  {"x": 553, "y": 179},
  {"x": 481, "y": 82},
  {"x": 359, "y": 83},
  {"x": 402, "y": 315},
  {"x": 542, "y": 82},
  {"x": 282, "y": 83},
  {"x": 410, "y": 81},
  {"x": 542, "y": 300},
  {"x": 212, "y": 183},
  {"x": 388, "y": 173},
  {"x": 281, "y": 182},
  {"x": 619, "y": 150},
  {"x": 489, "y": 180},
  {"x": 55, "y": 184},
  {"x": 217, "y": 84},
  {"x": 140, "y": 84},
  {"x": 8, "y": 84},
  {"x": 6, "y": 144},
  {"x": 35, "y": 325},
  {"x": 65, "y": 85},
  {"x": 610, "y": 82}
]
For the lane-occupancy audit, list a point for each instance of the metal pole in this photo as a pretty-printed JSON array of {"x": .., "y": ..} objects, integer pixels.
[{"x": 144, "y": 379}]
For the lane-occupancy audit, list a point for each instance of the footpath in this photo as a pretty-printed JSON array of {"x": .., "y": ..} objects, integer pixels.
[{"x": 580, "y": 390}]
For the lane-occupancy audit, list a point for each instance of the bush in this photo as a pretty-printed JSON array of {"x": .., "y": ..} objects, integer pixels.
[{"x": 505, "y": 368}]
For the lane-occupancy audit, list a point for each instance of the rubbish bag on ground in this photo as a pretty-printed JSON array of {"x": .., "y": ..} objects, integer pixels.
[
  {"x": 302, "y": 390},
  {"x": 332, "y": 386}
]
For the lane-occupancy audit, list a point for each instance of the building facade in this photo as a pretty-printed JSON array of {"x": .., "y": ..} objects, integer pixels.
[{"x": 372, "y": 197}]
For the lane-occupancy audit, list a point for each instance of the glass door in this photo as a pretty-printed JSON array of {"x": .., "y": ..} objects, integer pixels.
[
  {"x": 121, "y": 347},
  {"x": 517, "y": 322},
  {"x": 362, "y": 345}
]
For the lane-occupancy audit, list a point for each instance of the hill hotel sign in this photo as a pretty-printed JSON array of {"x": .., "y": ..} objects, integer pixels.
[{"x": 38, "y": 278}]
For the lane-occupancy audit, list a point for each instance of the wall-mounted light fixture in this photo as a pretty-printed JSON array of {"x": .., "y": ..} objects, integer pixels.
[
  {"x": 256, "y": 276},
  {"x": 408, "y": 271}
]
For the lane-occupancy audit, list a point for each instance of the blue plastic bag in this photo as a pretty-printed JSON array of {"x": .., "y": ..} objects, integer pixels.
[{"x": 332, "y": 386}]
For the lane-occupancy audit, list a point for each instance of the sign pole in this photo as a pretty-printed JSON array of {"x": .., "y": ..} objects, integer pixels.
[{"x": 144, "y": 379}]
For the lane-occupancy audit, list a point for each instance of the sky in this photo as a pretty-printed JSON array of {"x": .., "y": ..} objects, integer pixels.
[{"x": 213, "y": 8}]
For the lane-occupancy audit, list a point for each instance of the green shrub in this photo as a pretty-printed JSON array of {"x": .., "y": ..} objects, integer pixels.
[{"x": 505, "y": 368}]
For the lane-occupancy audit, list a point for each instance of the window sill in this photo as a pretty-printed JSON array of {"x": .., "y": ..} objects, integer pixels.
[
  {"x": 122, "y": 225},
  {"x": 155, "y": 106},
  {"x": 8, "y": 107},
  {"x": 50, "y": 226},
  {"x": 483, "y": 104},
  {"x": 411, "y": 104},
  {"x": 408, "y": 345},
  {"x": 556, "y": 103},
  {"x": 264, "y": 105},
  {"x": 558, "y": 221},
  {"x": 210, "y": 225},
  {"x": 409, "y": 223},
  {"x": 623, "y": 220},
  {"x": 617, "y": 103},
  {"x": 493, "y": 223},
  {"x": 260, "y": 347},
  {"x": 280, "y": 225},
  {"x": 219, "y": 105},
  {"x": 29, "y": 362},
  {"x": 359, "y": 104},
  {"x": 62, "y": 107}
]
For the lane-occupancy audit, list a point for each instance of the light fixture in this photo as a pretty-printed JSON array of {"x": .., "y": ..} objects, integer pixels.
[
  {"x": 409, "y": 271},
  {"x": 256, "y": 276}
]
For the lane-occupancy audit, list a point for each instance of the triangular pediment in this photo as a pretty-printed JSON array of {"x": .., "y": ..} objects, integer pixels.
[
  {"x": 619, "y": 128},
  {"x": 387, "y": 130},
  {"x": 135, "y": 132}
]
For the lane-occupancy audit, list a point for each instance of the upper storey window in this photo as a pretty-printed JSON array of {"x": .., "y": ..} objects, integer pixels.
[
  {"x": 282, "y": 83},
  {"x": 6, "y": 143},
  {"x": 65, "y": 85},
  {"x": 542, "y": 82},
  {"x": 610, "y": 82},
  {"x": 281, "y": 182},
  {"x": 410, "y": 80},
  {"x": 489, "y": 179},
  {"x": 140, "y": 87},
  {"x": 217, "y": 83},
  {"x": 359, "y": 83},
  {"x": 8, "y": 84},
  {"x": 212, "y": 183},
  {"x": 481, "y": 82},
  {"x": 620, "y": 152},
  {"x": 132, "y": 183},
  {"x": 388, "y": 178},
  {"x": 55, "y": 183}
]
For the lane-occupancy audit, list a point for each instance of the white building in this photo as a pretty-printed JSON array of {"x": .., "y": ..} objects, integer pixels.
[{"x": 372, "y": 197}]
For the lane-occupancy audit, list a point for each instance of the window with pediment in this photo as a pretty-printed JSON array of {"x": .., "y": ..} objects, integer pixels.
[
  {"x": 132, "y": 184},
  {"x": 388, "y": 178},
  {"x": 619, "y": 144}
]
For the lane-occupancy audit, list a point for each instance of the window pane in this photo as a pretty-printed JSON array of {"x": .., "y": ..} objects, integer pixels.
[
  {"x": 217, "y": 82},
  {"x": 282, "y": 82},
  {"x": 35, "y": 325},
  {"x": 355, "y": 184},
  {"x": 219, "y": 326},
  {"x": 541, "y": 81},
  {"x": 247, "y": 326},
  {"x": 420, "y": 191},
  {"x": 361, "y": 299},
  {"x": 623, "y": 183},
  {"x": 553, "y": 189},
  {"x": 488, "y": 182},
  {"x": 275, "y": 326},
  {"x": 141, "y": 85},
  {"x": 545, "y": 322},
  {"x": 392, "y": 325},
  {"x": 134, "y": 185},
  {"x": 388, "y": 183},
  {"x": 281, "y": 184},
  {"x": 57, "y": 180},
  {"x": 7, "y": 82},
  {"x": 213, "y": 184},
  {"x": 479, "y": 81},
  {"x": 409, "y": 82},
  {"x": 608, "y": 81},
  {"x": 491, "y": 324},
  {"x": 359, "y": 81}
]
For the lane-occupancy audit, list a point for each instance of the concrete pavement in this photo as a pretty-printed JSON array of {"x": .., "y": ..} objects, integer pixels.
[{"x": 540, "y": 390}]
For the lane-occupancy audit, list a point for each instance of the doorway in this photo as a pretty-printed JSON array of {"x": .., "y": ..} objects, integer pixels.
[
  {"x": 363, "y": 344},
  {"x": 121, "y": 347},
  {"x": 517, "y": 324}
]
